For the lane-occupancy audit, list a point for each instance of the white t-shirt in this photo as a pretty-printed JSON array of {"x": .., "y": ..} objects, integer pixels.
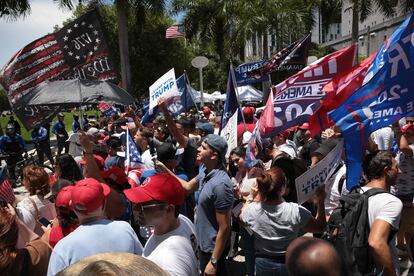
[
  {"x": 90, "y": 239},
  {"x": 383, "y": 137},
  {"x": 388, "y": 208},
  {"x": 147, "y": 160},
  {"x": 332, "y": 190},
  {"x": 46, "y": 208},
  {"x": 75, "y": 149},
  {"x": 288, "y": 149},
  {"x": 176, "y": 251}
]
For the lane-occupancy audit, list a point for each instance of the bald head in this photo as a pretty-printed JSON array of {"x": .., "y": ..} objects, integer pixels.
[{"x": 309, "y": 256}]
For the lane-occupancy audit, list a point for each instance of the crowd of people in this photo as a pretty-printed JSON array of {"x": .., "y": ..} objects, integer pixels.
[{"x": 166, "y": 197}]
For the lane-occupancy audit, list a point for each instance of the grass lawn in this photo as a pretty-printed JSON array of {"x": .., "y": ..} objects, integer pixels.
[{"x": 68, "y": 123}]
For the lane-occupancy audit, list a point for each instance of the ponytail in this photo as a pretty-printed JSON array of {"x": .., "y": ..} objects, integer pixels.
[{"x": 270, "y": 184}]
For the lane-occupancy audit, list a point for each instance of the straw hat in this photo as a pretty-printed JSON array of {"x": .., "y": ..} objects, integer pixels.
[{"x": 131, "y": 264}]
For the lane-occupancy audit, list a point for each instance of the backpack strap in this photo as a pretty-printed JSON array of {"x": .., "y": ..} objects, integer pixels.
[{"x": 374, "y": 191}]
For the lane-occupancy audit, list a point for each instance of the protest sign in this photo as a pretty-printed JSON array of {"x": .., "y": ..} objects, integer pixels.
[
  {"x": 243, "y": 77},
  {"x": 298, "y": 97},
  {"x": 229, "y": 133},
  {"x": 107, "y": 109},
  {"x": 307, "y": 183},
  {"x": 165, "y": 87}
]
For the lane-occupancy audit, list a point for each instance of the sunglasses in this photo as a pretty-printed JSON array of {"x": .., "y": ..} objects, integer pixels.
[
  {"x": 142, "y": 208},
  {"x": 409, "y": 121}
]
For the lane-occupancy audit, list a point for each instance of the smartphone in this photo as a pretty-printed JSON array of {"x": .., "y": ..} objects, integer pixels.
[{"x": 45, "y": 222}]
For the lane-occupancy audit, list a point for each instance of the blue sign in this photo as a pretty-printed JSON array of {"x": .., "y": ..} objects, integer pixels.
[{"x": 242, "y": 76}]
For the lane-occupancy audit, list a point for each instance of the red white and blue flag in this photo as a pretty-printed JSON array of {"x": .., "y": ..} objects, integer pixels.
[
  {"x": 297, "y": 98},
  {"x": 385, "y": 97},
  {"x": 175, "y": 31},
  {"x": 132, "y": 156},
  {"x": 77, "y": 51}
]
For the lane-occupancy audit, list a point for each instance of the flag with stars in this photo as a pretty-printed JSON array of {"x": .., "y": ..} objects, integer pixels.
[
  {"x": 132, "y": 156},
  {"x": 77, "y": 51},
  {"x": 385, "y": 97}
]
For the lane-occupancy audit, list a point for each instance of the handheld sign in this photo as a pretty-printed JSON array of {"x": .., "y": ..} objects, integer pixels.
[
  {"x": 229, "y": 133},
  {"x": 307, "y": 183},
  {"x": 165, "y": 87}
]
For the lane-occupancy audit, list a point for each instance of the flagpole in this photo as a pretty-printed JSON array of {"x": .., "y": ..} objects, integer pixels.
[
  {"x": 128, "y": 161},
  {"x": 187, "y": 81},
  {"x": 237, "y": 94}
]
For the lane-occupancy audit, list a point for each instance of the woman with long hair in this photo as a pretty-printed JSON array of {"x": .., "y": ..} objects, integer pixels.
[
  {"x": 67, "y": 168},
  {"x": 36, "y": 181},
  {"x": 243, "y": 182},
  {"x": 21, "y": 251},
  {"x": 275, "y": 222}
]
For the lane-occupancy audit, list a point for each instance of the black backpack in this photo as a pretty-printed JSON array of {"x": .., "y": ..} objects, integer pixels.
[{"x": 348, "y": 231}]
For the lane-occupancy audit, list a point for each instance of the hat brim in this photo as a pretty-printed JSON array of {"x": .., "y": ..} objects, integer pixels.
[{"x": 138, "y": 195}]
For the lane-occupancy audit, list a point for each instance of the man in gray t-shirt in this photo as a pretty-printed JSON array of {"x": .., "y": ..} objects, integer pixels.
[{"x": 214, "y": 204}]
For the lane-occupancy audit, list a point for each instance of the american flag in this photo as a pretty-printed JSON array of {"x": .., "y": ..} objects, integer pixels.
[
  {"x": 295, "y": 53},
  {"x": 175, "y": 31},
  {"x": 133, "y": 157},
  {"x": 76, "y": 51},
  {"x": 6, "y": 188}
]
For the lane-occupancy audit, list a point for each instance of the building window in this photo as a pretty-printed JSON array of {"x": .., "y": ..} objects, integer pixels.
[
  {"x": 336, "y": 36},
  {"x": 362, "y": 44},
  {"x": 331, "y": 37},
  {"x": 385, "y": 37}
]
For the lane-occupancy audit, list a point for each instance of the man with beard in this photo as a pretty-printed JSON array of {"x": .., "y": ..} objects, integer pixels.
[{"x": 384, "y": 211}]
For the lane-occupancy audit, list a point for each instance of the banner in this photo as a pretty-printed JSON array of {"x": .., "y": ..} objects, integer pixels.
[
  {"x": 308, "y": 182},
  {"x": 77, "y": 51},
  {"x": 165, "y": 87},
  {"x": 107, "y": 109},
  {"x": 293, "y": 57},
  {"x": 231, "y": 104},
  {"x": 298, "y": 97},
  {"x": 177, "y": 104},
  {"x": 243, "y": 76},
  {"x": 229, "y": 133},
  {"x": 337, "y": 91},
  {"x": 385, "y": 98}
]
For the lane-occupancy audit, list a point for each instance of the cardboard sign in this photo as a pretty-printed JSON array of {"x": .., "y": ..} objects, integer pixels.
[
  {"x": 307, "y": 183},
  {"x": 165, "y": 87},
  {"x": 229, "y": 133}
]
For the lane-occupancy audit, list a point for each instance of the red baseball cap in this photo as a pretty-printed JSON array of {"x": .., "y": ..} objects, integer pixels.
[
  {"x": 88, "y": 194},
  {"x": 99, "y": 161},
  {"x": 206, "y": 110},
  {"x": 162, "y": 187},
  {"x": 305, "y": 126},
  {"x": 248, "y": 110},
  {"x": 64, "y": 197},
  {"x": 116, "y": 174},
  {"x": 408, "y": 129}
]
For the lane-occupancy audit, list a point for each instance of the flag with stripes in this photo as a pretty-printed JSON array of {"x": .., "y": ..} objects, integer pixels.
[
  {"x": 76, "y": 51},
  {"x": 175, "y": 31},
  {"x": 293, "y": 57},
  {"x": 132, "y": 156},
  {"x": 6, "y": 188},
  {"x": 298, "y": 97}
]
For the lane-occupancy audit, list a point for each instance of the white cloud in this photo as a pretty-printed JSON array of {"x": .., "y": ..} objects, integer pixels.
[{"x": 16, "y": 34}]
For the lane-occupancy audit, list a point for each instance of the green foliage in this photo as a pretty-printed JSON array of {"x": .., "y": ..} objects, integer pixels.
[{"x": 4, "y": 101}]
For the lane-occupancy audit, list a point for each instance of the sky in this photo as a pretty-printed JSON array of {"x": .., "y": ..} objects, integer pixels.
[{"x": 16, "y": 34}]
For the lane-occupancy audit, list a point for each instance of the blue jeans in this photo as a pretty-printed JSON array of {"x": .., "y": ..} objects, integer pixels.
[{"x": 269, "y": 267}]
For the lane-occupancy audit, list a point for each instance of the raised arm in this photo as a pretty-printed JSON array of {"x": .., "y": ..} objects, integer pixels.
[{"x": 181, "y": 139}]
